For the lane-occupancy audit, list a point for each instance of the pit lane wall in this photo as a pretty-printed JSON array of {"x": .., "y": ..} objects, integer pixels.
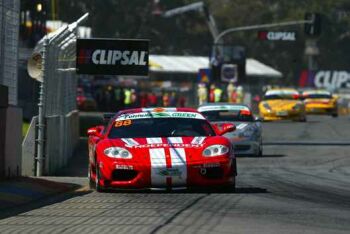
[{"x": 61, "y": 139}]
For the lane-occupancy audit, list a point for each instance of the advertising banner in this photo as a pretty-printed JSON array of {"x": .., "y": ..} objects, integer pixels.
[
  {"x": 112, "y": 57},
  {"x": 326, "y": 79}
]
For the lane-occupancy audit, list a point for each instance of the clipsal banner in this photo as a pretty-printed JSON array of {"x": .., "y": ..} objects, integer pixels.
[
  {"x": 328, "y": 79},
  {"x": 277, "y": 36},
  {"x": 112, "y": 57}
]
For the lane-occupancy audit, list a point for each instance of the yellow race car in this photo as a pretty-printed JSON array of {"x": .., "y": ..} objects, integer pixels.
[
  {"x": 281, "y": 104},
  {"x": 320, "y": 102}
]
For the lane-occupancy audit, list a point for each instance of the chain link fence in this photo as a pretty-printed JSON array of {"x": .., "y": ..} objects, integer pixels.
[
  {"x": 9, "y": 27},
  {"x": 58, "y": 121}
]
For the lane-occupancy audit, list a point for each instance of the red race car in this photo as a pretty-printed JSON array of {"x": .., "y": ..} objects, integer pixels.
[{"x": 160, "y": 148}]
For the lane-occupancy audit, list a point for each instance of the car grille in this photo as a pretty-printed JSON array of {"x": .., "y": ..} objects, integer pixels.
[
  {"x": 123, "y": 175},
  {"x": 212, "y": 173},
  {"x": 241, "y": 147}
]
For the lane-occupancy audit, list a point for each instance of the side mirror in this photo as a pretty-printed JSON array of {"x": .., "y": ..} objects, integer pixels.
[
  {"x": 95, "y": 131},
  {"x": 227, "y": 127}
]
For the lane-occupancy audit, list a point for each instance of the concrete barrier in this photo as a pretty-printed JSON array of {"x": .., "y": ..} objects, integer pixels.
[
  {"x": 28, "y": 149},
  {"x": 61, "y": 139}
]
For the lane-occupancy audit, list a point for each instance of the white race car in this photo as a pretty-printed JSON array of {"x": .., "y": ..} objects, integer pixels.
[{"x": 247, "y": 138}]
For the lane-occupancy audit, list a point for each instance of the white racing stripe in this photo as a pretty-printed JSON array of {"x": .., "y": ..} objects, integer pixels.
[
  {"x": 159, "y": 170},
  {"x": 179, "y": 166},
  {"x": 130, "y": 142},
  {"x": 158, "y": 165},
  {"x": 154, "y": 140},
  {"x": 197, "y": 140},
  {"x": 241, "y": 126},
  {"x": 175, "y": 140}
]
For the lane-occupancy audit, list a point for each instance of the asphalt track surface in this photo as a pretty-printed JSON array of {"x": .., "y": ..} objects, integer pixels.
[{"x": 300, "y": 185}]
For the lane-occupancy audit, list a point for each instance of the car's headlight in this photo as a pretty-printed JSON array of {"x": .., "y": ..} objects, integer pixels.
[
  {"x": 215, "y": 150},
  {"x": 266, "y": 106},
  {"x": 117, "y": 152}
]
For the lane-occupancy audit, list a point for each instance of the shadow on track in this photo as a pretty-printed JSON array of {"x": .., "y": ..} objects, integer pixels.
[
  {"x": 40, "y": 203},
  {"x": 238, "y": 190},
  {"x": 263, "y": 156}
]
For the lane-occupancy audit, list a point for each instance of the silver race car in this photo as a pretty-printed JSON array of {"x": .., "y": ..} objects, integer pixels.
[{"x": 247, "y": 139}]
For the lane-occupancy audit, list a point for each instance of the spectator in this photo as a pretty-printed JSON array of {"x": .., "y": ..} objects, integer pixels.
[
  {"x": 202, "y": 93},
  {"x": 152, "y": 99},
  {"x": 165, "y": 99},
  {"x": 173, "y": 99}
]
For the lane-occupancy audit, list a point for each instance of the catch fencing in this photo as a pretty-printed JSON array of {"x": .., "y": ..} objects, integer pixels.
[
  {"x": 57, "y": 126},
  {"x": 9, "y": 27}
]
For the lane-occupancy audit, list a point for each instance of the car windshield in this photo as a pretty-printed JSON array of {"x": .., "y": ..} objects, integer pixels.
[
  {"x": 318, "y": 95},
  {"x": 160, "y": 127},
  {"x": 283, "y": 96},
  {"x": 227, "y": 115}
]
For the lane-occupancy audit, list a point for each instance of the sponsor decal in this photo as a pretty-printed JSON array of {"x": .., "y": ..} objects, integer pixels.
[
  {"x": 124, "y": 167},
  {"x": 169, "y": 172},
  {"x": 198, "y": 140},
  {"x": 327, "y": 79},
  {"x": 277, "y": 35},
  {"x": 144, "y": 115}
]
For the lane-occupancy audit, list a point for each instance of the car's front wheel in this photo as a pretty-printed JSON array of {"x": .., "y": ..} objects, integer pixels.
[
  {"x": 91, "y": 181},
  {"x": 98, "y": 187}
]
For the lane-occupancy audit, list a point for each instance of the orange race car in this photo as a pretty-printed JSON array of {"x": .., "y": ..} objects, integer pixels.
[
  {"x": 320, "y": 102},
  {"x": 279, "y": 104}
]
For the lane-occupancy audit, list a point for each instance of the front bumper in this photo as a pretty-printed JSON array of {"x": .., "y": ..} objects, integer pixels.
[
  {"x": 139, "y": 176},
  {"x": 281, "y": 115},
  {"x": 246, "y": 147},
  {"x": 321, "y": 110}
]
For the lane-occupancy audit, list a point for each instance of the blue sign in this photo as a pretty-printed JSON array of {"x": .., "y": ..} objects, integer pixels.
[{"x": 204, "y": 75}]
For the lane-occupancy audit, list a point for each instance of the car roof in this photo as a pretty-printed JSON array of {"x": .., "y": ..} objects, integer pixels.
[
  {"x": 316, "y": 91},
  {"x": 222, "y": 106},
  {"x": 157, "y": 109},
  {"x": 278, "y": 91}
]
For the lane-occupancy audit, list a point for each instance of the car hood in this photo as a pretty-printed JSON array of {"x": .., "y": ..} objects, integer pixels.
[
  {"x": 143, "y": 146},
  {"x": 282, "y": 104}
]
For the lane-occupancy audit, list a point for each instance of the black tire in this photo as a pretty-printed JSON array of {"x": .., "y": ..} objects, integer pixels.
[
  {"x": 335, "y": 115},
  {"x": 302, "y": 118},
  {"x": 260, "y": 152},
  {"x": 91, "y": 181},
  {"x": 98, "y": 187}
]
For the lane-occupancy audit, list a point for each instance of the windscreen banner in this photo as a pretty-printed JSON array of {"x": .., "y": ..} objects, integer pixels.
[{"x": 112, "y": 57}]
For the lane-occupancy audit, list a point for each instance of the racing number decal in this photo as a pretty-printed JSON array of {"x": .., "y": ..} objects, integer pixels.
[{"x": 122, "y": 123}]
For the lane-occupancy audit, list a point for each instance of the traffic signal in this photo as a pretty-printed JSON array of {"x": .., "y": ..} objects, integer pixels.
[
  {"x": 313, "y": 28},
  {"x": 223, "y": 58}
]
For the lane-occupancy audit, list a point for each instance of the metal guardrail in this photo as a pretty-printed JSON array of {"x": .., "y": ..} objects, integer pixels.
[{"x": 58, "y": 127}]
